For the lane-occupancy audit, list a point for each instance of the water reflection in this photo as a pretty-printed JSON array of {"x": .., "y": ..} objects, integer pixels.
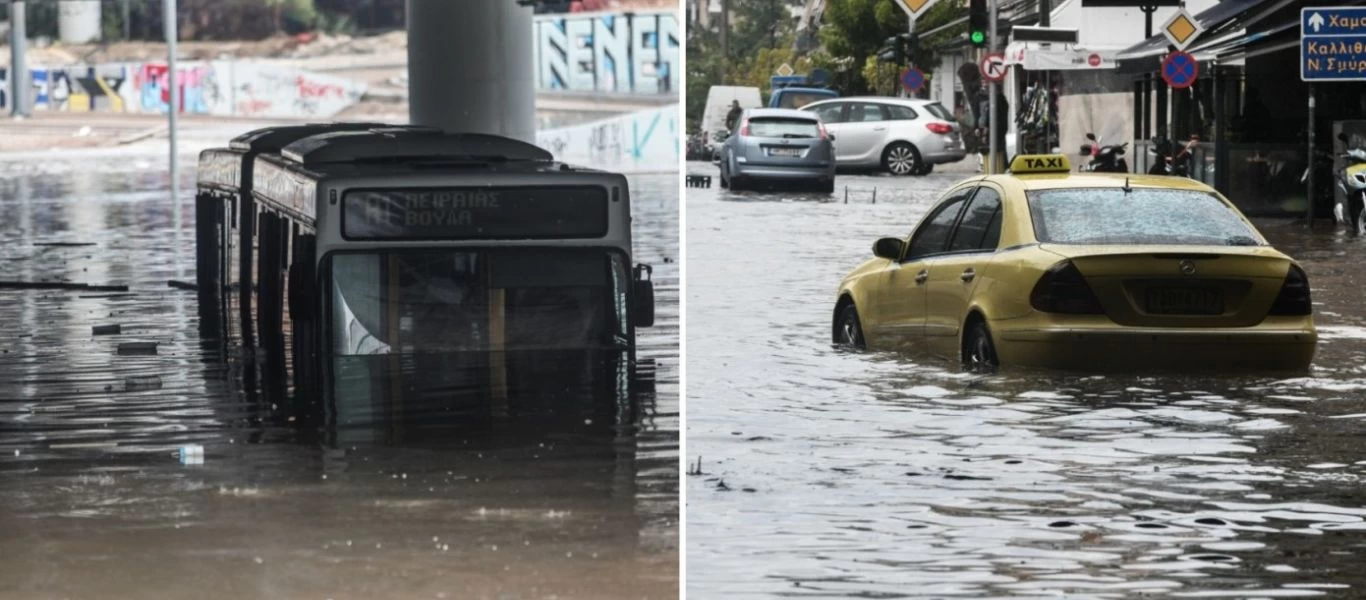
[
  {"x": 560, "y": 481},
  {"x": 829, "y": 473}
]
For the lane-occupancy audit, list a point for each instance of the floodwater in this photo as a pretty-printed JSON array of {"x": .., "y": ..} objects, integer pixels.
[
  {"x": 94, "y": 502},
  {"x": 831, "y": 473}
]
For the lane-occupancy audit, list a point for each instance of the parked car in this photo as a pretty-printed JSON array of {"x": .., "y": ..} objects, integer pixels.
[
  {"x": 1082, "y": 271},
  {"x": 899, "y": 135},
  {"x": 778, "y": 145}
]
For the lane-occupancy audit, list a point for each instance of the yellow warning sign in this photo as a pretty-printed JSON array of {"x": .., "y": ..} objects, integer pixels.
[
  {"x": 1182, "y": 29},
  {"x": 915, "y": 8}
]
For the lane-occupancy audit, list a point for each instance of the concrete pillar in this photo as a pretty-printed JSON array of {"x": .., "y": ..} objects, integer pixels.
[
  {"x": 19, "y": 77},
  {"x": 471, "y": 67},
  {"x": 78, "y": 21}
]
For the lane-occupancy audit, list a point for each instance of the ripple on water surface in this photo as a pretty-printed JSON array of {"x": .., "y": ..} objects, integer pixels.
[{"x": 835, "y": 473}]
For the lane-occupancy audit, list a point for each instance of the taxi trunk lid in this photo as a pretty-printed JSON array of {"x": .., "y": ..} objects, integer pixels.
[{"x": 1198, "y": 286}]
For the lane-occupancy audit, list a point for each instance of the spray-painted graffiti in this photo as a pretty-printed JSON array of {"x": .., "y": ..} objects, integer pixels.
[
  {"x": 74, "y": 89},
  {"x": 646, "y": 141},
  {"x": 217, "y": 87},
  {"x": 632, "y": 52}
]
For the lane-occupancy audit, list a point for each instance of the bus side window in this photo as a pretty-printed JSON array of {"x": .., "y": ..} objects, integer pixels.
[{"x": 301, "y": 279}]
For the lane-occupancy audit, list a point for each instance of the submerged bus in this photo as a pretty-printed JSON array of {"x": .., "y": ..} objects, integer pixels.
[{"x": 386, "y": 265}]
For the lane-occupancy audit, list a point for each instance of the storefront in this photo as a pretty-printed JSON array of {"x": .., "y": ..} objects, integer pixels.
[{"x": 1248, "y": 108}]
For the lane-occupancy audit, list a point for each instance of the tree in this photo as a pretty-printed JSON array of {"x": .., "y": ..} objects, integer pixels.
[{"x": 857, "y": 29}]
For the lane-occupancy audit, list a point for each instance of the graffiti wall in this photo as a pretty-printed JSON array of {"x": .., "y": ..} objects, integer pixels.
[
  {"x": 627, "y": 52},
  {"x": 641, "y": 142},
  {"x": 227, "y": 88}
]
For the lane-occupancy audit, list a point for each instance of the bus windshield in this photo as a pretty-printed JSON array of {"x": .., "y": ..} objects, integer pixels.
[{"x": 460, "y": 300}]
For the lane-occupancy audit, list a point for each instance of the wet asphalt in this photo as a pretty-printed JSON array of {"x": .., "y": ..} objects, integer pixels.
[
  {"x": 832, "y": 473},
  {"x": 95, "y": 504}
]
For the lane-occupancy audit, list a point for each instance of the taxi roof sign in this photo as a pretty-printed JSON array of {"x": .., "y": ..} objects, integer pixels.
[{"x": 1040, "y": 163}]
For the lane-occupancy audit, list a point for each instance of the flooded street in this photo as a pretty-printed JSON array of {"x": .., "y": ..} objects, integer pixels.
[
  {"x": 831, "y": 473},
  {"x": 94, "y": 502}
]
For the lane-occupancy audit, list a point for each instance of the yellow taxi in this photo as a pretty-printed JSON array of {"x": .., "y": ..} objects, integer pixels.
[{"x": 1041, "y": 267}]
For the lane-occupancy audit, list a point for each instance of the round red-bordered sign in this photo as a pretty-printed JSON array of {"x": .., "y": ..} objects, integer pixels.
[
  {"x": 993, "y": 66},
  {"x": 912, "y": 79},
  {"x": 1093, "y": 60},
  {"x": 1180, "y": 70}
]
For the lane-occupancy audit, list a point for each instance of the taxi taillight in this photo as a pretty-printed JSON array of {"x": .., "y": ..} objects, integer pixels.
[
  {"x": 1062, "y": 289},
  {"x": 1294, "y": 297}
]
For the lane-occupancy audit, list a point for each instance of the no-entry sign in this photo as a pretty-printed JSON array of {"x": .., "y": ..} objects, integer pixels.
[
  {"x": 993, "y": 66},
  {"x": 1180, "y": 69}
]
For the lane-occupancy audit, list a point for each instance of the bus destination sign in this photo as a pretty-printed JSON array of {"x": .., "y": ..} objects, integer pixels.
[{"x": 475, "y": 213}]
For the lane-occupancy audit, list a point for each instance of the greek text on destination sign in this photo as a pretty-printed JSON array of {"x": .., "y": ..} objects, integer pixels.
[
  {"x": 1334, "y": 56},
  {"x": 475, "y": 213}
]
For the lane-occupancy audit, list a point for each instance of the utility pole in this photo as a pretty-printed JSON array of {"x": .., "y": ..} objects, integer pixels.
[
  {"x": 19, "y": 77},
  {"x": 168, "y": 15},
  {"x": 994, "y": 91},
  {"x": 127, "y": 25},
  {"x": 1045, "y": 19},
  {"x": 725, "y": 38},
  {"x": 910, "y": 61}
]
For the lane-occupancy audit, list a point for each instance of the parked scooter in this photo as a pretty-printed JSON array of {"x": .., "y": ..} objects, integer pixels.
[
  {"x": 1168, "y": 160},
  {"x": 1352, "y": 181},
  {"x": 1104, "y": 159}
]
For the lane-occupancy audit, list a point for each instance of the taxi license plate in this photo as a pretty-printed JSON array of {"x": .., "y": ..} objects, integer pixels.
[
  {"x": 1185, "y": 301},
  {"x": 784, "y": 151}
]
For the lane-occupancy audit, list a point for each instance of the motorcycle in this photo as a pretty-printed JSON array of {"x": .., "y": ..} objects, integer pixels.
[
  {"x": 1168, "y": 162},
  {"x": 1351, "y": 179},
  {"x": 1104, "y": 159}
]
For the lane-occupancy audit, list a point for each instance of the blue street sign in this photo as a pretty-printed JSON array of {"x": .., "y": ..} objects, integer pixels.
[
  {"x": 912, "y": 79},
  {"x": 1180, "y": 69},
  {"x": 1333, "y": 43}
]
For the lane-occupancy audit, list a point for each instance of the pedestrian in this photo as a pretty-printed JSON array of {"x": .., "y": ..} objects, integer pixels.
[{"x": 733, "y": 117}]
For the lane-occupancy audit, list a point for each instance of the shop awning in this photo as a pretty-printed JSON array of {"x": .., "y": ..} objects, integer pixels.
[
  {"x": 1221, "y": 24},
  {"x": 1033, "y": 56}
]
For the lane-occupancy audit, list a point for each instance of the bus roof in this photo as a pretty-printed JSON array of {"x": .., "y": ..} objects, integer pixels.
[
  {"x": 272, "y": 139},
  {"x": 399, "y": 144}
]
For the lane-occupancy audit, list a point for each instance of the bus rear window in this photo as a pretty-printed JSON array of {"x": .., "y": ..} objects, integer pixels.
[{"x": 475, "y": 213}]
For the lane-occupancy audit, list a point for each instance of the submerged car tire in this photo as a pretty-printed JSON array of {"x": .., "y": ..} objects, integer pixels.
[
  {"x": 901, "y": 159},
  {"x": 737, "y": 184},
  {"x": 979, "y": 352},
  {"x": 925, "y": 169},
  {"x": 848, "y": 329},
  {"x": 827, "y": 187}
]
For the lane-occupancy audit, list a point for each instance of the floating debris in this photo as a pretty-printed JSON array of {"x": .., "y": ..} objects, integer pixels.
[{"x": 138, "y": 349}]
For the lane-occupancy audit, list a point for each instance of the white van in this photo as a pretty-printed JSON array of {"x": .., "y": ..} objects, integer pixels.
[{"x": 719, "y": 98}]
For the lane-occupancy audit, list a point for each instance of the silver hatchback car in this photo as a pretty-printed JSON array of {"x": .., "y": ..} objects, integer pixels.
[
  {"x": 900, "y": 135},
  {"x": 778, "y": 145}
]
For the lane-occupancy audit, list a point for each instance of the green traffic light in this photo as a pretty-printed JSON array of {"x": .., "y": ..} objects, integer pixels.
[{"x": 978, "y": 37}]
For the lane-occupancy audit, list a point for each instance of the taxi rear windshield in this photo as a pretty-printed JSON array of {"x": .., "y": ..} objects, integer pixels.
[
  {"x": 782, "y": 127},
  {"x": 1139, "y": 216}
]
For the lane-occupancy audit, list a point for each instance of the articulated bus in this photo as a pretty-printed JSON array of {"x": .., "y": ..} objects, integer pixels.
[{"x": 399, "y": 268}]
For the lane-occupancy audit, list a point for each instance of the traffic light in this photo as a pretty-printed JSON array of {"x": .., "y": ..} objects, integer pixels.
[
  {"x": 892, "y": 51},
  {"x": 978, "y": 18}
]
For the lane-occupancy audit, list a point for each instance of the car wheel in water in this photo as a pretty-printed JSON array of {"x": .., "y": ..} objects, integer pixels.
[
  {"x": 724, "y": 183},
  {"x": 901, "y": 159},
  {"x": 925, "y": 169},
  {"x": 737, "y": 184},
  {"x": 979, "y": 353},
  {"x": 848, "y": 330},
  {"x": 827, "y": 187}
]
